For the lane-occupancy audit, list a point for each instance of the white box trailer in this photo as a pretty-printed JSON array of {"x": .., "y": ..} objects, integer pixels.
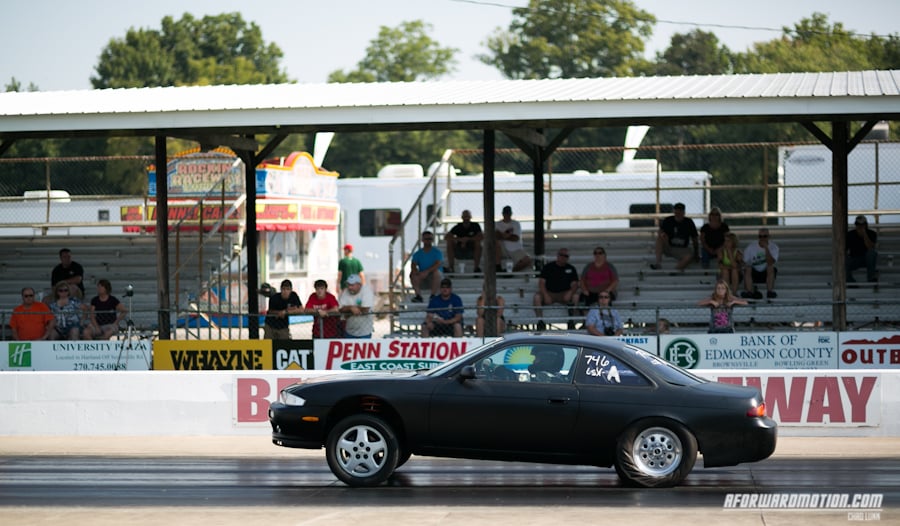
[
  {"x": 804, "y": 172},
  {"x": 373, "y": 208}
]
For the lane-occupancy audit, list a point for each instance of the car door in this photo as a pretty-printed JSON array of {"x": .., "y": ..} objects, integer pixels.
[
  {"x": 613, "y": 393},
  {"x": 507, "y": 407}
]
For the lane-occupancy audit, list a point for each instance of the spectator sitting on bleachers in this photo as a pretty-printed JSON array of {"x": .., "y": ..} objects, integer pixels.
[
  {"x": 464, "y": 241},
  {"x": 69, "y": 313},
  {"x": 603, "y": 320},
  {"x": 32, "y": 320},
  {"x": 721, "y": 303},
  {"x": 712, "y": 237},
  {"x": 861, "y": 250},
  {"x": 598, "y": 276},
  {"x": 499, "y": 303},
  {"x": 70, "y": 272},
  {"x": 426, "y": 267},
  {"x": 445, "y": 313},
  {"x": 557, "y": 284},
  {"x": 509, "y": 242},
  {"x": 760, "y": 259},
  {"x": 106, "y": 311},
  {"x": 731, "y": 259},
  {"x": 675, "y": 233}
]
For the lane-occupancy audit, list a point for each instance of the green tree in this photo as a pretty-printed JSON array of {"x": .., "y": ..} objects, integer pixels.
[
  {"x": 220, "y": 49},
  {"x": 815, "y": 44},
  {"x": 571, "y": 39},
  {"x": 405, "y": 53},
  {"x": 695, "y": 53}
]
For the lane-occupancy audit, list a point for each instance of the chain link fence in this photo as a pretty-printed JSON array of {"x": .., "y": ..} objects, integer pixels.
[{"x": 588, "y": 189}]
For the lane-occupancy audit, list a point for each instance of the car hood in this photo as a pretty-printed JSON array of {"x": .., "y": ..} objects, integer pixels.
[{"x": 355, "y": 377}]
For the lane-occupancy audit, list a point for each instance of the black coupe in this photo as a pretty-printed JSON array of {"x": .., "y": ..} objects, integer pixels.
[{"x": 555, "y": 398}]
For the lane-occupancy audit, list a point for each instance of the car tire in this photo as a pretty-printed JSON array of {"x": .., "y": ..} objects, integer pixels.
[
  {"x": 362, "y": 450},
  {"x": 404, "y": 457},
  {"x": 655, "y": 453}
]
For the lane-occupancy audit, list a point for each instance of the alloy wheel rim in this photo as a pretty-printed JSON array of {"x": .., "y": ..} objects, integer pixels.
[
  {"x": 361, "y": 451},
  {"x": 657, "y": 451}
]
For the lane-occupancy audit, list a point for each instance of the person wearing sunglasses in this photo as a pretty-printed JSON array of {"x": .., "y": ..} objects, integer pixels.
[
  {"x": 760, "y": 258},
  {"x": 68, "y": 311},
  {"x": 557, "y": 284},
  {"x": 32, "y": 320},
  {"x": 603, "y": 320}
]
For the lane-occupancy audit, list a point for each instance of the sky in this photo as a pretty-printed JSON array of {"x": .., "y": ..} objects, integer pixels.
[{"x": 55, "y": 44}]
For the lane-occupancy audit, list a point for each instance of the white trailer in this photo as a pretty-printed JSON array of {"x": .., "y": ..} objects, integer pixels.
[
  {"x": 373, "y": 209},
  {"x": 873, "y": 176}
]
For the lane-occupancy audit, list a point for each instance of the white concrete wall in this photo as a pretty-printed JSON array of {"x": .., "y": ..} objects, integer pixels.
[{"x": 182, "y": 403}]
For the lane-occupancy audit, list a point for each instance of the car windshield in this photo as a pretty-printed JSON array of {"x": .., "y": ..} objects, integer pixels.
[
  {"x": 671, "y": 373},
  {"x": 462, "y": 357}
]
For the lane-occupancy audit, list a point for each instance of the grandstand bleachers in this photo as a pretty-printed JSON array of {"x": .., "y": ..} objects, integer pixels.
[
  {"x": 804, "y": 284},
  {"x": 123, "y": 260}
]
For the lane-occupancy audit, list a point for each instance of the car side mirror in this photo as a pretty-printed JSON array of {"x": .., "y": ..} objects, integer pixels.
[{"x": 467, "y": 373}]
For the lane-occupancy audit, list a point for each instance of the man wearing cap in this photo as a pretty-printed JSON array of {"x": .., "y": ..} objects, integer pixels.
[
  {"x": 464, "y": 240},
  {"x": 281, "y": 305},
  {"x": 861, "y": 250},
  {"x": 676, "y": 232},
  {"x": 357, "y": 302},
  {"x": 509, "y": 242},
  {"x": 445, "y": 313},
  {"x": 349, "y": 265},
  {"x": 557, "y": 284}
]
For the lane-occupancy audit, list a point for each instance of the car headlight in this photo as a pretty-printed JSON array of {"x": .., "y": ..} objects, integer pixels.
[{"x": 287, "y": 398}]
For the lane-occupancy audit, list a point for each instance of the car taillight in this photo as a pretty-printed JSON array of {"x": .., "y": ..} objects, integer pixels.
[{"x": 758, "y": 411}]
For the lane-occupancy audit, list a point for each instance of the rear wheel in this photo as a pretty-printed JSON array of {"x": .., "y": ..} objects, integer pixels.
[
  {"x": 655, "y": 454},
  {"x": 362, "y": 450}
]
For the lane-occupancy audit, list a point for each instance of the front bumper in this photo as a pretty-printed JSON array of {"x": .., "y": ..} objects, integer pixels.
[{"x": 297, "y": 427}]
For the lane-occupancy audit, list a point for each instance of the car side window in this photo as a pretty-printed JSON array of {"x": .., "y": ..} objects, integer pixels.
[
  {"x": 544, "y": 363},
  {"x": 601, "y": 368}
]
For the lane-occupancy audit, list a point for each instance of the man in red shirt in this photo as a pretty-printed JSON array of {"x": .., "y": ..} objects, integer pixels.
[
  {"x": 31, "y": 320},
  {"x": 324, "y": 306}
]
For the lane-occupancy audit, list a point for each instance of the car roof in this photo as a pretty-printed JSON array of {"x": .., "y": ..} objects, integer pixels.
[{"x": 563, "y": 338}]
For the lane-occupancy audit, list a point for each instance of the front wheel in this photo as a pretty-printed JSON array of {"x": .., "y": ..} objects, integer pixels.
[
  {"x": 362, "y": 450},
  {"x": 655, "y": 454}
]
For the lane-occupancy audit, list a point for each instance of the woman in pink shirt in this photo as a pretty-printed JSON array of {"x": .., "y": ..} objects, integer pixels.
[{"x": 598, "y": 276}]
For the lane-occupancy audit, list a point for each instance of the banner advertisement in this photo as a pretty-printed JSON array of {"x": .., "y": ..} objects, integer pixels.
[
  {"x": 212, "y": 355},
  {"x": 89, "y": 355},
  {"x": 293, "y": 355},
  {"x": 647, "y": 343},
  {"x": 386, "y": 354},
  {"x": 804, "y": 399},
  {"x": 774, "y": 350},
  {"x": 869, "y": 350}
]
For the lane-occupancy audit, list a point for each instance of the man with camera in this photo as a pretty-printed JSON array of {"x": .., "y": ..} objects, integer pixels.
[{"x": 603, "y": 320}]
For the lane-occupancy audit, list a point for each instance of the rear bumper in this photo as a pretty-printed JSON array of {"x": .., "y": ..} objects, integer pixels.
[{"x": 755, "y": 443}]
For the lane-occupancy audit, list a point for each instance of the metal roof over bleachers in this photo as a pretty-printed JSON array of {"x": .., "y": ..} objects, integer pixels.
[{"x": 291, "y": 108}]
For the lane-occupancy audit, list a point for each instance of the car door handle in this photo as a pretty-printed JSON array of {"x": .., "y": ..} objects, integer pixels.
[{"x": 559, "y": 400}]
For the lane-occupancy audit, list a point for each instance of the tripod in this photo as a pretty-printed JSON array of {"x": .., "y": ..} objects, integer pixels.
[{"x": 132, "y": 339}]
